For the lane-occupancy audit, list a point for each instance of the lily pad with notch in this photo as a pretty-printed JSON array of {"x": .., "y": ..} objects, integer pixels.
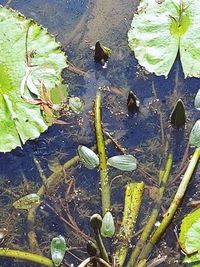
[{"x": 21, "y": 120}]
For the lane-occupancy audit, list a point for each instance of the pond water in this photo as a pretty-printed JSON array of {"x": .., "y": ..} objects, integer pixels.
[{"x": 75, "y": 195}]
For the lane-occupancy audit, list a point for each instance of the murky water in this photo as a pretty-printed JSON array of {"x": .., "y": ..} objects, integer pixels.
[{"x": 78, "y": 24}]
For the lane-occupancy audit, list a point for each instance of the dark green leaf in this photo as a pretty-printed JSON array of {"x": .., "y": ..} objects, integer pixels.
[
  {"x": 58, "y": 248},
  {"x": 102, "y": 53},
  {"x": 177, "y": 117},
  {"x": 133, "y": 102}
]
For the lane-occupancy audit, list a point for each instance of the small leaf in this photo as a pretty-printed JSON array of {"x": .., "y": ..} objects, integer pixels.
[
  {"x": 190, "y": 235},
  {"x": 102, "y": 53},
  {"x": 27, "y": 202},
  {"x": 133, "y": 102},
  {"x": 108, "y": 226},
  {"x": 76, "y": 104},
  {"x": 58, "y": 248},
  {"x": 197, "y": 100},
  {"x": 123, "y": 162},
  {"x": 177, "y": 116},
  {"x": 88, "y": 157},
  {"x": 194, "y": 138}
]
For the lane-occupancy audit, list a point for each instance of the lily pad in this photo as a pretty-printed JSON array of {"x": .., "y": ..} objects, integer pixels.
[
  {"x": 160, "y": 29},
  {"x": 194, "y": 138},
  {"x": 189, "y": 237},
  {"x": 197, "y": 100},
  {"x": 21, "y": 38}
]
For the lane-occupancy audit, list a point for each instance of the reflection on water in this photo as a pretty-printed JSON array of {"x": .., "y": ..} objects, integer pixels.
[{"x": 73, "y": 194}]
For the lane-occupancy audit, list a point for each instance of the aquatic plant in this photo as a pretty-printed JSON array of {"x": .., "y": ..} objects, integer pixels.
[
  {"x": 162, "y": 29},
  {"x": 97, "y": 251},
  {"x": 31, "y": 62}
]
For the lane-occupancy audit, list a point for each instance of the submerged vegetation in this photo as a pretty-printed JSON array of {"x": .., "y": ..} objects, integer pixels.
[{"x": 122, "y": 232}]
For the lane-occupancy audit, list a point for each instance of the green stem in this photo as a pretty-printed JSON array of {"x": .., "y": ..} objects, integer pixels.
[
  {"x": 23, "y": 255},
  {"x": 173, "y": 207},
  {"x": 101, "y": 246},
  {"x": 153, "y": 216},
  {"x": 133, "y": 198},
  {"x": 105, "y": 187}
]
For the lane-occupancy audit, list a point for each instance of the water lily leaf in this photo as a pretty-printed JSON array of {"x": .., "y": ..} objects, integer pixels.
[
  {"x": 108, "y": 226},
  {"x": 27, "y": 202},
  {"x": 197, "y": 100},
  {"x": 89, "y": 159},
  {"x": 21, "y": 120},
  {"x": 194, "y": 138},
  {"x": 160, "y": 30},
  {"x": 190, "y": 235},
  {"x": 76, "y": 104},
  {"x": 123, "y": 162},
  {"x": 58, "y": 248}
]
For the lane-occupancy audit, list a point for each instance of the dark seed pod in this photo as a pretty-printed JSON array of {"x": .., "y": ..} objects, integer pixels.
[
  {"x": 133, "y": 102},
  {"x": 177, "y": 117},
  {"x": 96, "y": 221},
  {"x": 101, "y": 53}
]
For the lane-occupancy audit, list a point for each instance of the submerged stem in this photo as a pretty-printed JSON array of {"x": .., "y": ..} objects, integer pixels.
[
  {"x": 105, "y": 188},
  {"x": 153, "y": 216},
  {"x": 133, "y": 198},
  {"x": 173, "y": 207},
  {"x": 23, "y": 255}
]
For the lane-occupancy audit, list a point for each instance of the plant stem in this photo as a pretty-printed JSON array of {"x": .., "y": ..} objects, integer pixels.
[
  {"x": 133, "y": 198},
  {"x": 153, "y": 216},
  {"x": 52, "y": 181},
  {"x": 23, "y": 255},
  {"x": 173, "y": 207},
  {"x": 101, "y": 246},
  {"x": 88, "y": 260},
  {"x": 105, "y": 187}
]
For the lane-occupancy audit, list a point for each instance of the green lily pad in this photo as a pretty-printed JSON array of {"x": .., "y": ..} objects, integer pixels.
[
  {"x": 190, "y": 235},
  {"x": 197, "y": 100},
  {"x": 160, "y": 30},
  {"x": 19, "y": 119},
  {"x": 194, "y": 138}
]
